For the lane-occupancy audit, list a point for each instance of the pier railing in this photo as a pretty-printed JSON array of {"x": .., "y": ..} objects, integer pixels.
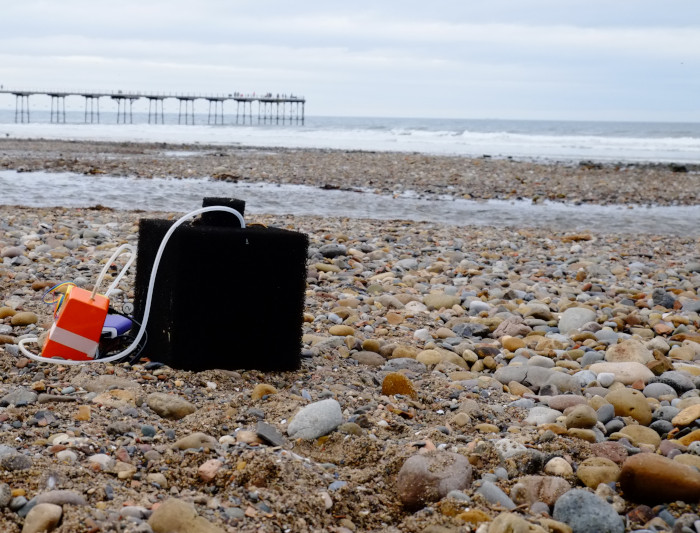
[{"x": 270, "y": 107}]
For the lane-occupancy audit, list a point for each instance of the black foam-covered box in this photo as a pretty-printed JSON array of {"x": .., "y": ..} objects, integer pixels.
[{"x": 224, "y": 297}]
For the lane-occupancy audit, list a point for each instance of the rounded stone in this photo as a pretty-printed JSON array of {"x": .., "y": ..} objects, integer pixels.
[
  {"x": 605, "y": 379},
  {"x": 512, "y": 343},
  {"x": 177, "y": 516},
  {"x": 368, "y": 358},
  {"x": 625, "y": 373},
  {"x": 430, "y": 357},
  {"x": 558, "y": 466},
  {"x": 42, "y": 517},
  {"x": 630, "y": 402},
  {"x": 510, "y": 522},
  {"x": 581, "y": 416},
  {"x": 261, "y": 390},
  {"x": 587, "y": 513},
  {"x": 654, "y": 479},
  {"x": 596, "y": 470},
  {"x": 574, "y": 317},
  {"x": 404, "y": 352},
  {"x": 657, "y": 390},
  {"x": 315, "y": 420},
  {"x": 630, "y": 350},
  {"x": 5, "y": 495},
  {"x": 427, "y": 477},
  {"x": 397, "y": 383},
  {"x": 637, "y": 435},
  {"x": 24, "y": 318},
  {"x": 531, "y": 489},
  {"x": 340, "y": 330},
  {"x": 510, "y": 373},
  {"x": 440, "y": 300},
  {"x": 194, "y": 441},
  {"x": 169, "y": 405},
  {"x": 687, "y": 416},
  {"x": 6, "y": 311}
]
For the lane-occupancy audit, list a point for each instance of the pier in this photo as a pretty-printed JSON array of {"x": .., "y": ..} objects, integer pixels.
[{"x": 270, "y": 109}]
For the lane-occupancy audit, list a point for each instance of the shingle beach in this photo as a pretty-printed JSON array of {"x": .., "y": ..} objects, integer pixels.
[{"x": 454, "y": 378}]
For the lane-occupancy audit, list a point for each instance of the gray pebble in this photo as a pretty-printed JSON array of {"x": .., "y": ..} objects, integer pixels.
[
  {"x": 678, "y": 380},
  {"x": 585, "y": 512},
  {"x": 495, "y": 496},
  {"x": 315, "y": 420},
  {"x": 510, "y": 373},
  {"x": 5, "y": 495},
  {"x": 606, "y": 413},
  {"x": 404, "y": 363},
  {"x": 269, "y": 434},
  {"x": 655, "y": 390},
  {"x": 542, "y": 415},
  {"x": 15, "y": 461},
  {"x": 20, "y": 396}
]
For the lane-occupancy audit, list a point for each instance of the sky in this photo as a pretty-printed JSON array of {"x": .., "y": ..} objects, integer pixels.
[{"x": 635, "y": 60}]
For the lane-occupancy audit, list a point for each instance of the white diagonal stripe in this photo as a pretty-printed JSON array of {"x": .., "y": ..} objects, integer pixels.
[{"x": 73, "y": 340}]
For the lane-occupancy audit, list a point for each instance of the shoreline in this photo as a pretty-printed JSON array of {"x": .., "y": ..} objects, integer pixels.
[{"x": 382, "y": 172}]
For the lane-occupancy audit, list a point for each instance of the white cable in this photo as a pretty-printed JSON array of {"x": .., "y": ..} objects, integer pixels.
[
  {"x": 123, "y": 271},
  {"x": 149, "y": 294}
]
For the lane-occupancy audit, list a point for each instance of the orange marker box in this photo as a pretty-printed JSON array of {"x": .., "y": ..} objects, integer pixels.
[{"x": 76, "y": 332}]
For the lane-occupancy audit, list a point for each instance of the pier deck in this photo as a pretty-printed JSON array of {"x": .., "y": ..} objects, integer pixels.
[{"x": 270, "y": 108}]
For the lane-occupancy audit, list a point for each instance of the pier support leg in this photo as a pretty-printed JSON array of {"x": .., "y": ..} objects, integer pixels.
[
  {"x": 58, "y": 108},
  {"x": 92, "y": 109},
  {"x": 22, "y": 108}
]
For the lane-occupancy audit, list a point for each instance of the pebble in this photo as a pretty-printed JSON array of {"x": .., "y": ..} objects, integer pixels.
[
  {"x": 581, "y": 416},
  {"x": 495, "y": 496},
  {"x": 532, "y": 489},
  {"x": 397, "y": 383},
  {"x": 596, "y": 470},
  {"x": 169, "y": 405},
  {"x": 629, "y": 351},
  {"x": 654, "y": 479},
  {"x": 625, "y": 372},
  {"x": 177, "y": 516},
  {"x": 5, "y": 495},
  {"x": 315, "y": 420},
  {"x": 574, "y": 318},
  {"x": 587, "y": 513},
  {"x": 43, "y": 517},
  {"x": 368, "y": 358},
  {"x": 18, "y": 397},
  {"x": 196, "y": 440},
  {"x": 542, "y": 415},
  {"x": 207, "y": 471},
  {"x": 261, "y": 390},
  {"x": 269, "y": 434},
  {"x": 24, "y": 318},
  {"x": 427, "y": 477},
  {"x": 687, "y": 416},
  {"x": 341, "y": 330},
  {"x": 630, "y": 402},
  {"x": 558, "y": 466}
]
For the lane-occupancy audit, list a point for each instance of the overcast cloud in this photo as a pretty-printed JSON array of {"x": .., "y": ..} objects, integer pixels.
[{"x": 547, "y": 59}]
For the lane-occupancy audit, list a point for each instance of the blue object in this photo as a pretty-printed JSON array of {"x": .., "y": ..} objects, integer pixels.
[{"x": 115, "y": 326}]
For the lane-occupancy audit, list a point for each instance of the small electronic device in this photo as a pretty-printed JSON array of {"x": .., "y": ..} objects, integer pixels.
[{"x": 115, "y": 326}]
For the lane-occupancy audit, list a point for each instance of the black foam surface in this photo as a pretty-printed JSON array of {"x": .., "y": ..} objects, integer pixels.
[{"x": 224, "y": 297}]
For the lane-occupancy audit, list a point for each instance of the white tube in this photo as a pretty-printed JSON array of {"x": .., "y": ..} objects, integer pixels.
[
  {"x": 117, "y": 253},
  {"x": 149, "y": 294}
]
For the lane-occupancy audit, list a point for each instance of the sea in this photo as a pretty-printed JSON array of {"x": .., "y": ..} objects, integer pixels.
[
  {"x": 568, "y": 142},
  {"x": 562, "y": 141}
]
